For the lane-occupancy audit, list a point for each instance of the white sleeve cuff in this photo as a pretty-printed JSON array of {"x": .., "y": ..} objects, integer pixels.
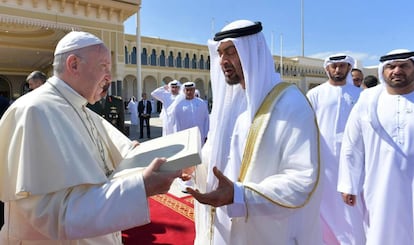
[{"x": 238, "y": 207}]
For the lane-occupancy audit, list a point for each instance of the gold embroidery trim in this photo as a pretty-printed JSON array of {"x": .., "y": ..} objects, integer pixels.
[{"x": 259, "y": 124}]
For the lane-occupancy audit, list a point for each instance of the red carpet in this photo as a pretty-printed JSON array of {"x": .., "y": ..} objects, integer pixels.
[{"x": 172, "y": 223}]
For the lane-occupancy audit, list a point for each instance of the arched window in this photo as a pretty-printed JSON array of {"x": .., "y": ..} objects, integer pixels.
[
  {"x": 201, "y": 62},
  {"x": 187, "y": 61},
  {"x": 208, "y": 63},
  {"x": 134, "y": 56},
  {"x": 126, "y": 55},
  {"x": 162, "y": 58},
  {"x": 171, "y": 59},
  {"x": 153, "y": 58},
  {"x": 178, "y": 60},
  {"x": 194, "y": 62},
  {"x": 144, "y": 59}
]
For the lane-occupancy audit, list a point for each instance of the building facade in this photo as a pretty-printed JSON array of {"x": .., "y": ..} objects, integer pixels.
[{"x": 30, "y": 30}]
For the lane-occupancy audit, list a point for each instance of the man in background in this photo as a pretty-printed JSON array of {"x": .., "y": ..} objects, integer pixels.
[
  {"x": 332, "y": 102},
  {"x": 111, "y": 108},
  {"x": 377, "y": 153},
  {"x": 167, "y": 94},
  {"x": 357, "y": 77},
  {"x": 144, "y": 114},
  {"x": 36, "y": 79},
  {"x": 369, "y": 82},
  {"x": 190, "y": 111}
]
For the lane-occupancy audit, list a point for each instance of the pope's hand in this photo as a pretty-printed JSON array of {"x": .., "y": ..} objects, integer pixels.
[
  {"x": 157, "y": 182},
  {"x": 134, "y": 144},
  {"x": 221, "y": 196}
]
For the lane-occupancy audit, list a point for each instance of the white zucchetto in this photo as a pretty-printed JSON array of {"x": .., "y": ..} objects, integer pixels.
[{"x": 76, "y": 40}]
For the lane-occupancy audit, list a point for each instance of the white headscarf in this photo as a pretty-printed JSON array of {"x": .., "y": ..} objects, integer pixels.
[
  {"x": 174, "y": 82},
  {"x": 338, "y": 58},
  {"x": 394, "y": 55},
  {"x": 229, "y": 101}
]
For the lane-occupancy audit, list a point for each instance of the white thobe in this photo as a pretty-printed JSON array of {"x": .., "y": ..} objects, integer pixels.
[
  {"x": 342, "y": 224},
  {"x": 282, "y": 176},
  {"x": 192, "y": 113},
  {"x": 167, "y": 99},
  {"x": 52, "y": 177},
  {"x": 377, "y": 158},
  {"x": 133, "y": 109}
]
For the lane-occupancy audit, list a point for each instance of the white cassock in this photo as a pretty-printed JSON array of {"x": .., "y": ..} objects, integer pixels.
[
  {"x": 342, "y": 224},
  {"x": 52, "y": 177},
  {"x": 192, "y": 113},
  {"x": 268, "y": 204},
  {"x": 167, "y": 99},
  {"x": 377, "y": 158},
  {"x": 133, "y": 109}
]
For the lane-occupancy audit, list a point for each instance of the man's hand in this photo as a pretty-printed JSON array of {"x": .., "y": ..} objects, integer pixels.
[
  {"x": 221, "y": 196},
  {"x": 159, "y": 182},
  {"x": 349, "y": 199},
  {"x": 134, "y": 144}
]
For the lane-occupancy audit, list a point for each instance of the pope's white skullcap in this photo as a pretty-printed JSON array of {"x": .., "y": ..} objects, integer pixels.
[{"x": 76, "y": 40}]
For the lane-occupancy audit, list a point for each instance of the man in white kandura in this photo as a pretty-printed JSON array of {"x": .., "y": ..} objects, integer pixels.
[
  {"x": 133, "y": 110},
  {"x": 167, "y": 94},
  {"x": 332, "y": 102},
  {"x": 377, "y": 155},
  {"x": 57, "y": 156},
  {"x": 258, "y": 183},
  {"x": 190, "y": 111}
]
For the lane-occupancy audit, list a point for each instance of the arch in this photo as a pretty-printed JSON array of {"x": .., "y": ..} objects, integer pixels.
[
  {"x": 194, "y": 62},
  {"x": 208, "y": 63},
  {"x": 167, "y": 79},
  {"x": 5, "y": 88},
  {"x": 162, "y": 58},
  {"x": 149, "y": 84},
  {"x": 144, "y": 57},
  {"x": 126, "y": 55},
  {"x": 187, "y": 61},
  {"x": 130, "y": 86},
  {"x": 183, "y": 80},
  {"x": 178, "y": 60},
  {"x": 153, "y": 57},
  {"x": 134, "y": 56},
  {"x": 171, "y": 59},
  {"x": 201, "y": 62}
]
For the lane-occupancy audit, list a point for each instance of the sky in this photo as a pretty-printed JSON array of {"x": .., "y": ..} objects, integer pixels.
[{"x": 364, "y": 29}]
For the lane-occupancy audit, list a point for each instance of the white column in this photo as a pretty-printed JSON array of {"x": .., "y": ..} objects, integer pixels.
[{"x": 138, "y": 34}]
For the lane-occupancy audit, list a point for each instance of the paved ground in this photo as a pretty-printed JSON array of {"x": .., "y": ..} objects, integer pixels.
[
  {"x": 155, "y": 124},
  {"x": 156, "y": 131}
]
